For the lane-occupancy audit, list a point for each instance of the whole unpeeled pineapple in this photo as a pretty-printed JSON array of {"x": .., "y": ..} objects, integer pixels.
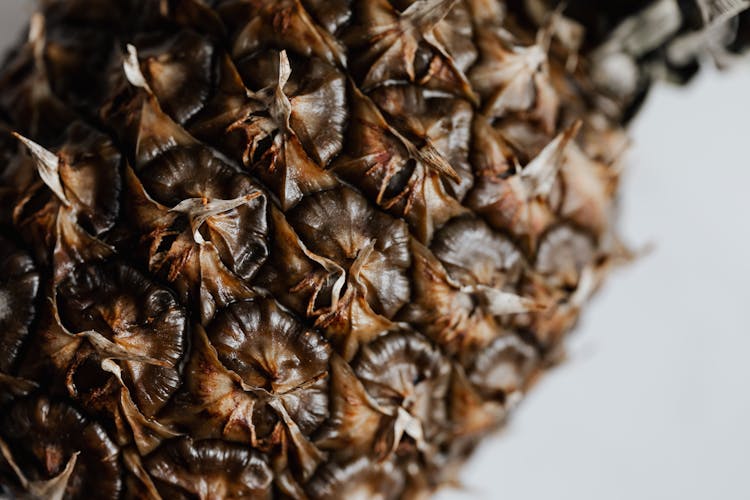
[{"x": 288, "y": 248}]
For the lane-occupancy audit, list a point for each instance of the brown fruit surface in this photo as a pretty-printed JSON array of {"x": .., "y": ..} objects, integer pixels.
[{"x": 288, "y": 248}]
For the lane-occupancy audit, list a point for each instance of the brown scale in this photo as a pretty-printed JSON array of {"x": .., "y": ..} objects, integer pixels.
[
  {"x": 284, "y": 24},
  {"x": 269, "y": 390},
  {"x": 49, "y": 450},
  {"x": 407, "y": 177},
  {"x": 76, "y": 192},
  {"x": 283, "y": 128},
  {"x": 191, "y": 204},
  {"x": 208, "y": 469},
  {"x": 113, "y": 341},
  {"x": 178, "y": 69},
  {"x": 18, "y": 291},
  {"x": 358, "y": 478},
  {"x": 427, "y": 42},
  {"x": 408, "y": 379},
  {"x": 364, "y": 254}
]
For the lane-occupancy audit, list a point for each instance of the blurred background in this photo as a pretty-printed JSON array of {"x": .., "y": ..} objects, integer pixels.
[{"x": 654, "y": 400}]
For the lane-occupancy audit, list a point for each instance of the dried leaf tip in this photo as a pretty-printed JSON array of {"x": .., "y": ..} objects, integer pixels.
[
  {"x": 285, "y": 69},
  {"x": 48, "y": 166},
  {"x": 280, "y": 106},
  {"x": 431, "y": 157},
  {"x": 587, "y": 284},
  {"x": 132, "y": 68},
  {"x": 501, "y": 303},
  {"x": 37, "y": 40},
  {"x": 199, "y": 210},
  {"x": 36, "y": 28},
  {"x": 539, "y": 175}
]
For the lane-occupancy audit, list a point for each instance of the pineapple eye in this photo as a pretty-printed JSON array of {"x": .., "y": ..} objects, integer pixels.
[
  {"x": 434, "y": 118},
  {"x": 89, "y": 164},
  {"x": 183, "y": 469},
  {"x": 504, "y": 367},
  {"x": 19, "y": 283},
  {"x": 358, "y": 478},
  {"x": 403, "y": 368},
  {"x": 239, "y": 234},
  {"x": 81, "y": 179},
  {"x": 435, "y": 31},
  {"x": 192, "y": 171},
  {"x": 341, "y": 225},
  {"x": 284, "y": 24},
  {"x": 562, "y": 255},
  {"x": 317, "y": 95},
  {"x": 475, "y": 255},
  {"x": 139, "y": 317},
  {"x": 282, "y": 117},
  {"x": 90, "y": 172},
  {"x": 270, "y": 350},
  {"x": 46, "y": 435},
  {"x": 178, "y": 70}
]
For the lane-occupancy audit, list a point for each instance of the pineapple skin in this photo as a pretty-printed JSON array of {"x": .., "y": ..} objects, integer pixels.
[
  {"x": 293, "y": 248},
  {"x": 631, "y": 44}
]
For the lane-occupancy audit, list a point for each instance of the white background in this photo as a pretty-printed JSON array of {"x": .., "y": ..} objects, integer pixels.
[{"x": 654, "y": 402}]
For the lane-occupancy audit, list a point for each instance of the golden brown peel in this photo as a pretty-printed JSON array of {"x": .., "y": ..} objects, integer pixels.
[{"x": 288, "y": 248}]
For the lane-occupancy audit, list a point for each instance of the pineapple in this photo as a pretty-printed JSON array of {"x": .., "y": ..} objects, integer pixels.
[
  {"x": 291, "y": 248},
  {"x": 632, "y": 43}
]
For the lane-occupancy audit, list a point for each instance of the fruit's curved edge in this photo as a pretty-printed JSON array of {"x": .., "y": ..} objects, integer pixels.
[{"x": 644, "y": 41}]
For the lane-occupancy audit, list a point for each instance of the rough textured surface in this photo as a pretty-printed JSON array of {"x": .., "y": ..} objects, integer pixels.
[
  {"x": 632, "y": 43},
  {"x": 287, "y": 248}
]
